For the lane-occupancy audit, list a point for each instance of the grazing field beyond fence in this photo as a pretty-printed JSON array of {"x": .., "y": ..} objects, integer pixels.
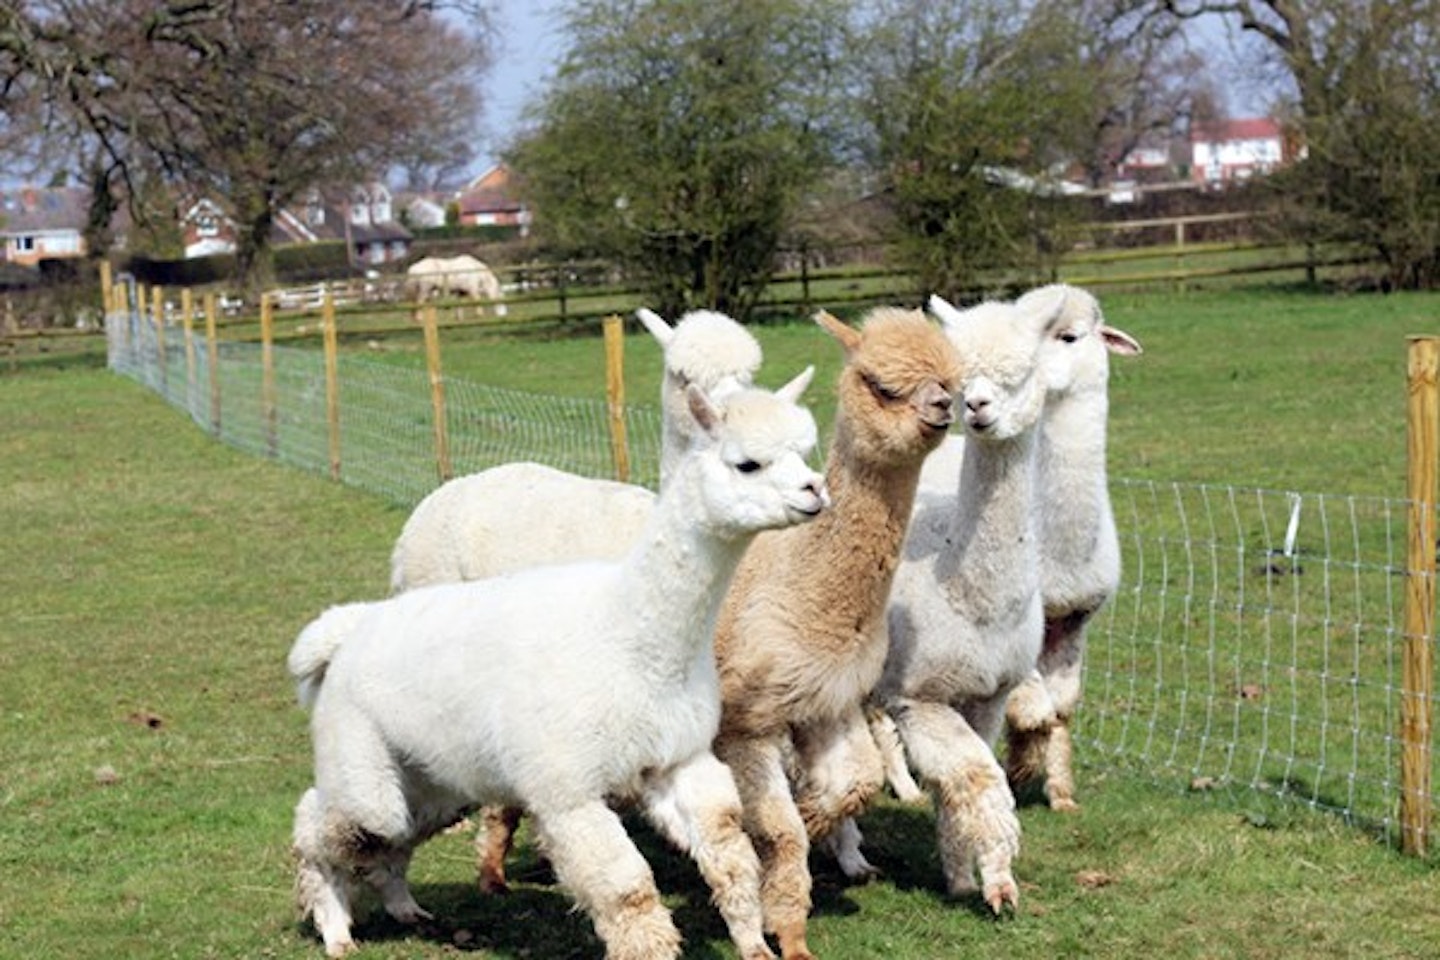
[{"x": 1258, "y": 641}]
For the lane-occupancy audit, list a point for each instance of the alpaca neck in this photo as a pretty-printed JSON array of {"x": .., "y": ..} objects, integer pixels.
[
  {"x": 862, "y": 533},
  {"x": 1072, "y": 437},
  {"x": 991, "y": 550},
  {"x": 676, "y": 576},
  {"x": 1071, "y": 456}
]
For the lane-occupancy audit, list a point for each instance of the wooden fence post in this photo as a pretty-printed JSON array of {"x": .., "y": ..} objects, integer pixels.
[
  {"x": 615, "y": 394},
  {"x": 332, "y": 381},
  {"x": 1423, "y": 418},
  {"x": 157, "y": 312},
  {"x": 437, "y": 392},
  {"x": 107, "y": 286},
  {"x": 187, "y": 324},
  {"x": 267, "y": 375},
  {"x": 212, "y": 353}
]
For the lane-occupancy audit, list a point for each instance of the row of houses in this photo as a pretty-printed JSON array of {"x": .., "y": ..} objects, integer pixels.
[
  {"x": 49, "y": 223},
  {"x": 1216, "y": 154},
  {"x": 40, "y": 224}
]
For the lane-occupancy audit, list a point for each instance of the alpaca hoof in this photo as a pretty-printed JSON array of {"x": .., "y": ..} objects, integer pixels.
[
  {"x": 792, "y": 943},
  {"x": 491, "y": 885},
  {"x": 908, "y": 793},
  {"x": 411, "y": 914},
  {"x": 340, "y": 948},
  {"x": 856, "y": 867},
  {"x": 1002, "y": 894},
  {"x": 1064, "y": 805}
]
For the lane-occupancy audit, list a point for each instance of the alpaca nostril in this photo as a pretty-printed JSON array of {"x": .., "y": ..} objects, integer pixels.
[
  {"x": 976, "y": 405},
  {"x": 944, "y": 402}
]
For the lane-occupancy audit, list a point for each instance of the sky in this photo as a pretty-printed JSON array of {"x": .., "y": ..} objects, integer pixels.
[
  {"x": 529, "y": 44},
  {"x": 531, "y": 41}
]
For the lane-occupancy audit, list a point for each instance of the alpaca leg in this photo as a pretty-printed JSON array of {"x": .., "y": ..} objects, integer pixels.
[
  {"x": 1062, "y": 664},
  {"x": 697, "y": 807},
  {"x": 1029, "y": 715},
  {"x": 1059, "y": 776},
  {"x": 778, "y": 833},
  {"x": 387, "y": 876},
  {"x": 600, "y": 865},
  {"x": 322, "y": 888},
  {"x": 840, "y": 769},
  {"x": 843, "y": 843},
  {"x": 975, "y": 810},
  {"x": 493, "y": 844},
  {"x": 897, "y": 768}
]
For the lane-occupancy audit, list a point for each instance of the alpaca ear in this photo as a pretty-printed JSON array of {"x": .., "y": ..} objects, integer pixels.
[
  {"x": 705, "y": 413},
  {"x": 1045, "y": 306},
  {"x": 1118, "y": 341},
  {"x": 657, "y": 326},
  {"x": 848, "y": 336},
  {"x": 950, "y": 318},
  {"x": 792, "y": 390}
]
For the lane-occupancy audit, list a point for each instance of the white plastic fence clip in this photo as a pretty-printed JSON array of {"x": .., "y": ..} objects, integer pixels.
[{"x": 1293, "y": 529}]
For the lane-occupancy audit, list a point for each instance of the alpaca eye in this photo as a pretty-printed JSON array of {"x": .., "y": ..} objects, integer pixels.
[
  {"x": 882, "y": 391},
  {"x": 747, "y": 466},
  {"x": 1069, "y": 336}
]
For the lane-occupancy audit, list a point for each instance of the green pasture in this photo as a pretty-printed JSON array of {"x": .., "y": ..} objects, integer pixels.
[{"x": 152, "y": 580}]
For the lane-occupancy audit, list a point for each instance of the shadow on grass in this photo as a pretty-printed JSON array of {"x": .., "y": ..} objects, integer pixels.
[
  {"x": 900, "y": 841},
  {"x": 537, "y": 918}
]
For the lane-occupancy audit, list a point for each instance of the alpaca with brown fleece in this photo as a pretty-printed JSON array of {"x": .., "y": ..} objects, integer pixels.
[{"x": 800, "y": 639}]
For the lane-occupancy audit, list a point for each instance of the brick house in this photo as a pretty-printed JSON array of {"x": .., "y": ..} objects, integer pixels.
[{"x": 491, "y": 200}]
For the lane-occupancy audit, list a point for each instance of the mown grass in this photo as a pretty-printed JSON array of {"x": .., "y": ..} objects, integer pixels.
[{"x": 151, "y": 582}]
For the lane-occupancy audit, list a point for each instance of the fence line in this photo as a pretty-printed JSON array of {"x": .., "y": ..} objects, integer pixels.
[{"x": 1259, "y": 641}]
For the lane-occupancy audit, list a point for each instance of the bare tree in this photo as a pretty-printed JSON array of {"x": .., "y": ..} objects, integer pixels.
[
  {"x": 251, "y": 102},
  {"x": 1366, "y": 108}
]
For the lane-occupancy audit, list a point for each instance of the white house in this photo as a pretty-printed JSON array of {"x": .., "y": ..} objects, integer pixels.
[
  {"x": 41, "y": 224},
  {"x": 1234, "y": 150}
]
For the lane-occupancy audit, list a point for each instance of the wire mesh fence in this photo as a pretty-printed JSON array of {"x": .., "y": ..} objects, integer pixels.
[{"x": 1256, "y": 642}]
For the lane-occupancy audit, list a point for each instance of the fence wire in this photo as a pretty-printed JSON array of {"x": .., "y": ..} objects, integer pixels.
[{"x": 1255, "y": 644}]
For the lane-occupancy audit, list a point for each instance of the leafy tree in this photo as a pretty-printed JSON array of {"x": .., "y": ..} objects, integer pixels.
[
  {"x": 253, "y": 102},
  {"x": 960, "y": 112},
  {"x": 1365, "y": 76},
  {"x": 679, "y": 134},
  {"x": 975, "y": 110}
]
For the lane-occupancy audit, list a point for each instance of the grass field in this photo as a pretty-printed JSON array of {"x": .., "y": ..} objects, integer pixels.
[{"x": 151, "y": 582}]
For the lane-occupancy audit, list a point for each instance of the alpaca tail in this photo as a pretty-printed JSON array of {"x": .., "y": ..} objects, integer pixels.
[{"x": 316, "y": 646}]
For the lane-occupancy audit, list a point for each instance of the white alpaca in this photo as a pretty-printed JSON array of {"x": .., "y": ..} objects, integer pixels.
[
  {"x": 965, "y": 616},
  {"x": 553, "y": 689},
  {"x": 524, "y": 514},
  {"x": 704, "y": 348},
  {"x": 1079, "y": 547}
]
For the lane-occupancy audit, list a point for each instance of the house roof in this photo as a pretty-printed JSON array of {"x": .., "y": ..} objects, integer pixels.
[
  {"x": 491, "y": 192},
  {"x": 1223, "y": 131},
  {"x": 323, "y": 216},
  {"x": 36, "y": 210}
]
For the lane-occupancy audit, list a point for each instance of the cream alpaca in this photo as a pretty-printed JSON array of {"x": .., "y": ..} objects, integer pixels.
[
  {"x": 1079, "y": 547},
  {"x": 521, "y": 515},
  {"x": 487, "y": 692},
  {"x": 965, "y": 616},
  {"x": 800, "y": 639}
]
